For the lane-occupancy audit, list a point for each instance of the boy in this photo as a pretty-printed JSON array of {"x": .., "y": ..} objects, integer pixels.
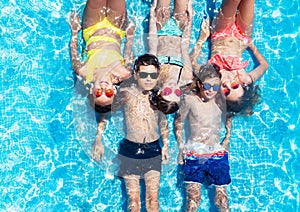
[
  {"x": 140, "y": 153},
  {"x": 202, "y": 156}
]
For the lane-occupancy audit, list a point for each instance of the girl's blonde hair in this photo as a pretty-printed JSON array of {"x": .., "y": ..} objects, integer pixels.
[{"x": 164, "y": 73}]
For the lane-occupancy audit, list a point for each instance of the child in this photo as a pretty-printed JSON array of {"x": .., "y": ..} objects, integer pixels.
[
  {"x": 104, "y": 26},
  {"x": 140, "y": 153},
  {"x": 203, "y": 157},
  {"x": 169, "y": 40},
  {"x": 231, "y": 35}
]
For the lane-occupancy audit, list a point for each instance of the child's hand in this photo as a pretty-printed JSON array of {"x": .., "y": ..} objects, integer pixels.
[
  {"x": 165, "y": 155},
  {"x": 152, "y": 11},
  {"x": 75, "y": 22},
  {"x": 205, "y": 29},
  {"x": 154, "y": 4},
  {"x": 244, "y": 78},
  {"x": 180, "y": 158},
  {"x": 225, "y": 144},
  {"x": 98, "y": 150},
  {"x": 130, "y": 29},
  {"x": 190, "y": 11}
]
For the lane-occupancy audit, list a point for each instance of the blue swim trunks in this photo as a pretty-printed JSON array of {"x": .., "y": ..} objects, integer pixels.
[{"x": 213, "y": 170}]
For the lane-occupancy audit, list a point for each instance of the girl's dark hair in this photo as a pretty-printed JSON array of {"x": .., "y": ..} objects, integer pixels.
[
  {"x": 245, "y": 104},
  {"x": 145, "y": 60},
  {"x": 167, "y": 107},
  {"x": 102, "y": 109},
  {"x": 98, "y": 108},
  {"x": 158, "y": 103}
]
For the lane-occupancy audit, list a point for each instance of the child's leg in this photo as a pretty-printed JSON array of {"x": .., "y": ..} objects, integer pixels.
[
  {"x": 229, "y": 7},
  {"x": 117, "y": 5},
  {"x": 162, "y": 12},
  {"x": 193, "y": 191},
  {"x": 116, "y": 13},
  {"x": 93, "y": 12},
  {"x": 221, "y": 199},
  {"x": 181, "y": 13},
  {"x": 180, "y": 6},
  {"x": 132, "y": 183},
  {"x": 163, "y": 3},
  {"x": 245, "y": 16},
  {"x": 152, "y": 179},
  {"x": 226, "y": 16}
]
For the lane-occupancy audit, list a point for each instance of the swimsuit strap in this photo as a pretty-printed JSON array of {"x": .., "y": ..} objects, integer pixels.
[
  {"x": 170, "y": 60},
  {"x": 179, "y": 75}
]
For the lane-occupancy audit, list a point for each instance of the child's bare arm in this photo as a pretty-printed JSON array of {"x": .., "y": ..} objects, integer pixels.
[
  {"x": 165, "y": 137},
  {"x": 226, "y": 140},
  {"x": 187, "y": 73},
  {"x": 197, "y": 50},
  {"x": 153, "y": 38},
  {"x": 98, "y": 148},
  {"x": 256, "y": 73},
  {"x": 75, "y": 27},
  {"x": 128, "y": 53},
  {"x": 178, "y": 133}
]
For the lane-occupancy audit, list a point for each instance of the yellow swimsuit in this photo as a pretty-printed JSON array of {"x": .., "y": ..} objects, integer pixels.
[{"x": 100, "y": 58}]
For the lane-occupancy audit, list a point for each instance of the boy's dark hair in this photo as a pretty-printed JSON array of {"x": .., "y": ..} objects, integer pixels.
[
  {"x": 206, "y": 71},
  {"x": 145, "y": 60}
]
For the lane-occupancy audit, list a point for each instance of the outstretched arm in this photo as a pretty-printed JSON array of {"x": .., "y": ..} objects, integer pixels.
[
  {"x": 197, "y": 50},
  {"x": 98, "y": 148},
  {"x": 226, "y": 140},
  {"x": 75, "y": 27},
  {"x": 153, "y": 38},
  {"x": 178, "y": 133},
  {"x": 165, "y": 137},
  {"x": 181, "y": 116},
  {"x": 128, "y": 53},
  {"x": 185, "y": 45},
  {"x": 256, "y": 73}
]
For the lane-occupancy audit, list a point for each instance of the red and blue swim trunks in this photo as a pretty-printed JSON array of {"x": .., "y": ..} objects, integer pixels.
[{"x": 209, "y": 168}]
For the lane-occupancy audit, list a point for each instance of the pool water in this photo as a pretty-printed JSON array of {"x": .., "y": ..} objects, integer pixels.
[{"x": 47, "y": 126}]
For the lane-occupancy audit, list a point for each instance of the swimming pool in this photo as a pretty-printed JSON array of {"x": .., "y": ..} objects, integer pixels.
[{"x": 47, "y": 126}]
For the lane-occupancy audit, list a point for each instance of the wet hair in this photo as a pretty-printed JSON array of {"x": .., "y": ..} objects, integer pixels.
[
  {"x": 245, "y": 104},
  {"x": 145, "y": 60},
  {"x": 205, "y": 72},
  {"x": 164, "y": 73},
  {"x": 167, "y": 107},
  {"x": 102, "y": 109},
  {"x": 98, "y": 108},
  {"x": 157, "y": 102},
  {"x": 153, "y": 98}
]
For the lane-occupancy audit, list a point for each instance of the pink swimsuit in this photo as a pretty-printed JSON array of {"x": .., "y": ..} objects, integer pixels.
[{"x": 230, "y": 62}]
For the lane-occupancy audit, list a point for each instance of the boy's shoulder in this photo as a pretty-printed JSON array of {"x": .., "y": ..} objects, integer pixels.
[
  {"x": 191, "y": 97},
  {"x": 189, "y": 100}
]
